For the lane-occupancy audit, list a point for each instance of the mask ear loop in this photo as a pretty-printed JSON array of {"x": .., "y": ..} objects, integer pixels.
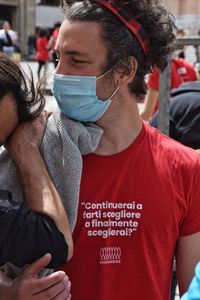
[
  {"x": 110, "y": 70},
  {"x": 107, "y": 72},
  {"x": 104, "y": 74},
  {"x": 113, "y": 94}
]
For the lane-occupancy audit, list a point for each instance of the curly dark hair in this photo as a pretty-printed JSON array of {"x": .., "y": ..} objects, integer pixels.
[
  {"x": 30, "y": 102},
  {"x": 157, "y": 21}
]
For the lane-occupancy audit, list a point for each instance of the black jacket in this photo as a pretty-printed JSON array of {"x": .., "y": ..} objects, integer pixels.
[
  {"x": 26, "y": 235},
  {"x": 184, "y": 114}
]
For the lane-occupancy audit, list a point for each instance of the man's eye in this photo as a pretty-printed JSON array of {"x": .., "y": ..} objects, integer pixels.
[{"x": 77, "y": 61}]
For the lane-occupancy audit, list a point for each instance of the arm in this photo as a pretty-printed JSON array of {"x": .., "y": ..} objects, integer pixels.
[
  {"x": 149, "y": 103},
  {"x": 28, "y": 286},
  {"x": 194, "y": 289},
  {"x": 40, "y": 192},
  {"x": 188, "y": 254},
  {"x": 31, "y": 234},
  {"x": 50, "y": 43}
]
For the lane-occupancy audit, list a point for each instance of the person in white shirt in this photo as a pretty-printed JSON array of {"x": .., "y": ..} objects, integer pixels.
[{"x": 8, "y": 38}]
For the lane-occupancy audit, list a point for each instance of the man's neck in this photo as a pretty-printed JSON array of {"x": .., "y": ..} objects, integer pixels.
[{"x": 120, "y": 132}]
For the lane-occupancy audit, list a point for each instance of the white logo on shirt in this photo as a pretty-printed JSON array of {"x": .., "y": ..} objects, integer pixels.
[
  {"x": 182, "y": 71},
  {"x": 110, "y": 255}
]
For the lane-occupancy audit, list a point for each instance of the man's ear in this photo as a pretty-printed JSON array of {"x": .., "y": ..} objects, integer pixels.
[{"x": 126, "y": 71}]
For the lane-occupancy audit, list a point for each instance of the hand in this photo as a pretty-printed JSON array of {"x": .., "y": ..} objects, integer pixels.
[
  {"x": 28, "y": 286},
  {"x": 26, "y": 137}
]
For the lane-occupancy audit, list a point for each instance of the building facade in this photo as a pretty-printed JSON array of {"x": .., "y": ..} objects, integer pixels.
[{"x": 187, "y": 13}]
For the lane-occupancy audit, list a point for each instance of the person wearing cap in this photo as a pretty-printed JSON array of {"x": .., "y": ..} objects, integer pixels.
[{"x": 138, "y": 199}]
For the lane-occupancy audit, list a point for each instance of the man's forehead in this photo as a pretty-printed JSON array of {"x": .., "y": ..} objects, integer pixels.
[
  {"x": 81, "y": 31},
  {"x": 79, "y": 38},
  {"x": 78, "y": 24}
]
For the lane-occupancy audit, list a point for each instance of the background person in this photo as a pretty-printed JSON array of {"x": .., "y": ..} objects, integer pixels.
[
  {"x": 184, "y": 115},
  {"x": 8, "y": 39},
  {"x": 42, "y": 53},
  {"x": 181, "y": 71}
]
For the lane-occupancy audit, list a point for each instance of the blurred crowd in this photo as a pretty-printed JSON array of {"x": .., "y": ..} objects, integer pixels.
[{"x": 40, "y": 46}]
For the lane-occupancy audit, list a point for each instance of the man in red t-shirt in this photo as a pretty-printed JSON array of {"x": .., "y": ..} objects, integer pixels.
[
  {"x": 139, "y": 194},
  {"x": 181, "y": 71}
]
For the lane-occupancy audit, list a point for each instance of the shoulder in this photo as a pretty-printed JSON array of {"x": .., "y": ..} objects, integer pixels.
[
  {"x": 186, "y": 97},
  {"x": 2, "y": 32},
  {"x": 180, "y": 63},
  {"x": 172, "y": 152},
  {"x": 185, "y": 102},
  {"x": 12, "y": 33}
]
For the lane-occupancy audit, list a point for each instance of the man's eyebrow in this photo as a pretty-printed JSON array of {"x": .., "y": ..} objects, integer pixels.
[{"x": 73, "y": 52}]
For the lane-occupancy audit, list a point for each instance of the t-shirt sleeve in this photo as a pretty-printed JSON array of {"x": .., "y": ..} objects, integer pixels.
[
  {"x": 25, "y": 235},
  {"x": 153, "y": 80},
  {"x": 191, "y": 222},
  {"x": 194, "y": 75}
]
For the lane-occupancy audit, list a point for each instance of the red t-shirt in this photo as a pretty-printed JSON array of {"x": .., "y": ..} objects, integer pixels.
[
  {"x": 181, "y": 71},
  {"x": 42, "y": 52},
  {"x": 133, "y": 206}
]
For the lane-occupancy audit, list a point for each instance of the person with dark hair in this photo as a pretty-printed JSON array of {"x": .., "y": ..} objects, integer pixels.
[
  {"x": 184, "y": 115},
  {"x": 131, "y": 193},
  {"x": 139, "y": 194},
  {"x": 29, "y": 230},
  {"x": 42, "y": 52}
]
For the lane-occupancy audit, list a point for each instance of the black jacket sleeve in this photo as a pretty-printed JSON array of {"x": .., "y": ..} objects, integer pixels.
[{"x": 25, "y": 235}]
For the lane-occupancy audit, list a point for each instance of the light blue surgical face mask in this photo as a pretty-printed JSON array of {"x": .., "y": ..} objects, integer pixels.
[{"x": 77, "y": 99}]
